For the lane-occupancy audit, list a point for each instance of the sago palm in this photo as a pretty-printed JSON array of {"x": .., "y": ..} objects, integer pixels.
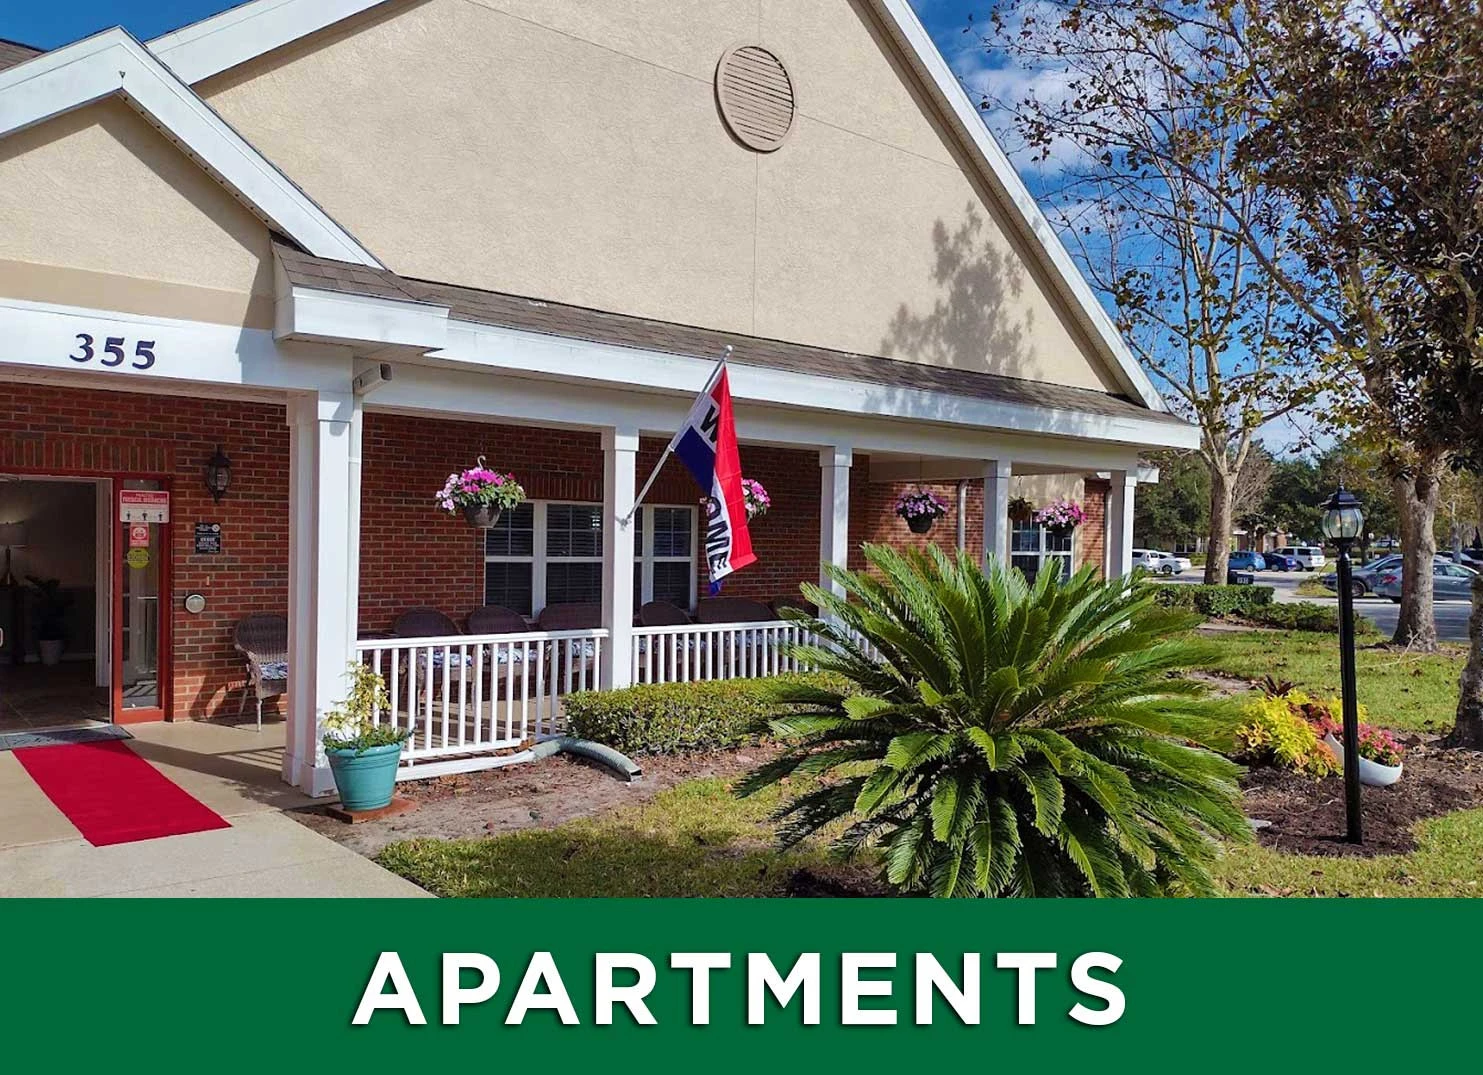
[{"x": 998, "y": 737}]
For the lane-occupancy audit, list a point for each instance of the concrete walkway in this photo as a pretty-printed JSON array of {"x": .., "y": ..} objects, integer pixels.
[{"x": 233, "y": 770}]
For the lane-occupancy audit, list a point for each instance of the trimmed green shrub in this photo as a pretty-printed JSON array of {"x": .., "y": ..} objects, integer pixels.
[
  {"x": 1214, "y": 600},
  {"x": 1305, "y": 616},
  {"x": 669, "y": 718}
]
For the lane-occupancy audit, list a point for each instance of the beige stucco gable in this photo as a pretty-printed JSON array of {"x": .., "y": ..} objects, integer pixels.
[
  {"x": 102, "y": 211},
  {"x": 574, "y": 152}
]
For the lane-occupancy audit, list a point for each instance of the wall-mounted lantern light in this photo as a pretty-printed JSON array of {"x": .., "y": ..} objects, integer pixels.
[{"x": 218, "y": 475}]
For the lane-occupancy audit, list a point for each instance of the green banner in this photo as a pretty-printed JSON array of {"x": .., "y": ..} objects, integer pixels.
[{"x": 1204, "y": 986}]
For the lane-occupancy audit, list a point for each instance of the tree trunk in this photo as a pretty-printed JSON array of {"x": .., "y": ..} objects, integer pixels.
[
  {"x": 1468, "y": 729},
  {"x": 1416, "y": 494},
  {"x": 1218, "y": 556}
]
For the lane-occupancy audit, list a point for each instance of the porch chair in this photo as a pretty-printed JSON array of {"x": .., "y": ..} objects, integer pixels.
[
  {"x": 661, "y": 614},
  {"x": 423, "y": 621},
  {"x": 498, "y": 620},
  {"x": 732, "y": 610},
  {"x": 262, "y": 639},
  {"x": 573, "y": 616},
  {"x": 736, "y": 610}
]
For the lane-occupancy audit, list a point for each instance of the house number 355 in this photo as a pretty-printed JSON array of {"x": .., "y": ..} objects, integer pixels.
[{"x": 113, "y": 353}]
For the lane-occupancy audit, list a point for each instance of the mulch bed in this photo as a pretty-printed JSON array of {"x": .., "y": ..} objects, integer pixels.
[{"x": 1307, "y": 815}]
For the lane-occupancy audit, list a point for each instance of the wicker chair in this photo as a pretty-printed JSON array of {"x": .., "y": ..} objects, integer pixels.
[
  {"x": 572, "y": 617},
  {"x": 424, "y": 621},
  {"x": 663, "y": 614},
  {"x": 262, "y": 639},
  {"x": 498, "y": 620},
  {"x": 732, "y": 610}
]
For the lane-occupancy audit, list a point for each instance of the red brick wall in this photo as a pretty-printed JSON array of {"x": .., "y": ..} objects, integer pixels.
[
  {"x": 46, "y": 429},
  {"x": 1094, "y": 530},
  {"x": 411, "y": 553}
]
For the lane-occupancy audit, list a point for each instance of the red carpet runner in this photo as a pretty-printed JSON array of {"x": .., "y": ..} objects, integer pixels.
[{"x": 113, "y": 795}]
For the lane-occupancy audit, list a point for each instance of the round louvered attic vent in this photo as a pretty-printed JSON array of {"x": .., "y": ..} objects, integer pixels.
[{"x": 756, "y": 96}]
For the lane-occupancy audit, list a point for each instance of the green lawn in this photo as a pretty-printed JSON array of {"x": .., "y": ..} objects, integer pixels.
[
  {"x": 697, "y": 839},
  {"x": 1408, "y": 691}
]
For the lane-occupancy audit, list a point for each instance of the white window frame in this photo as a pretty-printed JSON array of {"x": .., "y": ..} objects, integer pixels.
[
  {"x": 644, "y": 559},
  {"x": 1041, "y": 553}
]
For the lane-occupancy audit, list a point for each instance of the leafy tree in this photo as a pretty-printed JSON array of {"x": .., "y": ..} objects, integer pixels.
[
  {"x": 1295, "y": 497},
  {"x": 1177, "y": 507},
  {"x": 1153, "y": 204},
  {"x": 1374, "y": 130},
  {"x": 1007, "y": 738}
]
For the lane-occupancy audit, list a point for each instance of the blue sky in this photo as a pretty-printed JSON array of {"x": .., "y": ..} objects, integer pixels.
[{"x": 47, "y": 25}]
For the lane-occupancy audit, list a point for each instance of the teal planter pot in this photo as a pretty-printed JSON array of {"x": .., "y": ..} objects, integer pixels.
[{"x": 365, "y": 779}]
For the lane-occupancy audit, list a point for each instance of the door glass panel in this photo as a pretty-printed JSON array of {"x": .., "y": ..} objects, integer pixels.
[{"x": 140, "y": 619}]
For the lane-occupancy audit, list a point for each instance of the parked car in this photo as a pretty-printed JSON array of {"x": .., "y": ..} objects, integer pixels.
[
  {"x": 1362, "y": 578},
  {"x": 1309, "y": 557},
  {"x": 1451, "y": 581},
  {"x": 1162, "y": 562},
  {"x": 1247, "y": 560},
  {"x": 1280, "y": 561}
]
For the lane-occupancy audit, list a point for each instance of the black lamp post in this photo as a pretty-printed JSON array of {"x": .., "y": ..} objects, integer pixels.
[
  {"x": 1343, "y": 522},
  {"x": 218, "y": 474}
]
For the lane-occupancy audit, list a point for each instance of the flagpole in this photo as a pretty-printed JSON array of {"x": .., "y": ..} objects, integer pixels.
[{"x": 670, "y": 447}]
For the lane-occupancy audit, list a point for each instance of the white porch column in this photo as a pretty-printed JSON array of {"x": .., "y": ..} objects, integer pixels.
[
  {"x": 834, "y": 511},
  {"x": 997, "y": 473},
  {"x": 619, "y": 450},
  {"x": 1120, "y": 523},
  {"x": 324, "y": 501}
]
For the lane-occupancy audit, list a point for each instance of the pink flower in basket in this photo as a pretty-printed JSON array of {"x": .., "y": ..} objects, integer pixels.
[
  {"x": 478, "y": 487},
  {"x": 1061, "y": 515}
]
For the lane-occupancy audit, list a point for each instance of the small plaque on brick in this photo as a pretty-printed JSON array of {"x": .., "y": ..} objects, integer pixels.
[{"x": 208, "y": 538}]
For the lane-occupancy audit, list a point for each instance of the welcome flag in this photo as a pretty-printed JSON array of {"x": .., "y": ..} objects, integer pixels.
[{"x": 706, "y": 444}]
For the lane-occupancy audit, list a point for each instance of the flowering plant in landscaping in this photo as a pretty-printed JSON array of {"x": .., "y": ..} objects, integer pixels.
[
  {"x": 1273, "y": 731},
  {"x": 921, "y": 502},
  {"x": 479, "y": 486},
  {"x": 1375, "y": 744},
  {"x": 1061, "y": 515}
]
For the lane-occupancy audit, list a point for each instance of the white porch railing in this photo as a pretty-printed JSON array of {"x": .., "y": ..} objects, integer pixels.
[
  {"x": 467, "y": 698},
  {"x": 715, "y": 651}
]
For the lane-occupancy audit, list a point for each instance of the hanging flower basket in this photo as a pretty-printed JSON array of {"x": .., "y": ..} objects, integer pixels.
[
  {"x": 920, "y": 509},
  {"x": 753, "y": 495},
  {"x": 1021, "y": 510},
  {"x": 483, "y": 515},
  {"x": 1061, "y": 517},
  {"x": 481, "y": 494},
  {"x": 756, "y": 497}
]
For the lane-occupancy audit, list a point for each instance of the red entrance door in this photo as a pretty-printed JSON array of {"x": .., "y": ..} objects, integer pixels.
[{"x": 141, "y": 587}]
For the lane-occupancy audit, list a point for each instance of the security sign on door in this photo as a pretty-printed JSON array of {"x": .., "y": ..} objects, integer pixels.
[{"x": 144, "y": 506}]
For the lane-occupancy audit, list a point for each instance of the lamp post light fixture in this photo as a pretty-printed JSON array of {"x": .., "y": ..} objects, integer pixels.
[
  {"x": 1343, "y": 522},
  {"x": 218, "y": 475}
]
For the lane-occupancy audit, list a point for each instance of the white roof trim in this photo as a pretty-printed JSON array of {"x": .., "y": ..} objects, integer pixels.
[
  {"x": 241, "y": 33},
  {"x": 526, "y": 353},
  {"x": 114, "y": 63},
  {"x": 957, "y": 107}
]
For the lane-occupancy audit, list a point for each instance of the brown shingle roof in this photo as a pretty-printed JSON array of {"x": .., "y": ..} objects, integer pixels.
[
  {"x": 624, "y": 330},
  {"x": 13, "y": 52}
]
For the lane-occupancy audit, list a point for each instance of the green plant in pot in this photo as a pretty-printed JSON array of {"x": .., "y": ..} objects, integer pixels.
[
  {"x": 363, "y": 754},
  {"x": 49, "y": 604}
]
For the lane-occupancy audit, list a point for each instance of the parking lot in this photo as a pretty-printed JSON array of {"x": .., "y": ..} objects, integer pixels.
[{"x": 1451, "y": 616}]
